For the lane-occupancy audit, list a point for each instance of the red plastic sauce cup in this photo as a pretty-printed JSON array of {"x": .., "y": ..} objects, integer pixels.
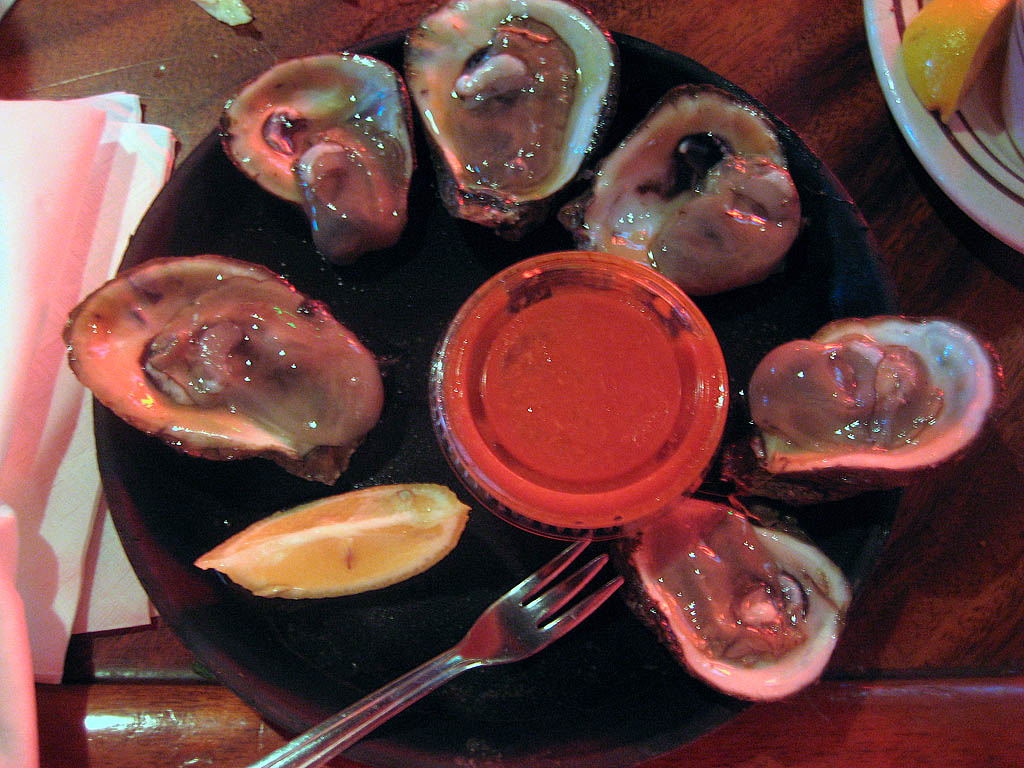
[{"x": 576, "y": 392}]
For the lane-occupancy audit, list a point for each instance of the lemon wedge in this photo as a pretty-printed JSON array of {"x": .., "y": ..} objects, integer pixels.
[
  {"x": 343, "y": 544},
  {"x": 946, "y": 46}
]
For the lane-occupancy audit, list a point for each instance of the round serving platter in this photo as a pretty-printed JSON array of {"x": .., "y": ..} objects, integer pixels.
[{"x": 606, "y": 695}]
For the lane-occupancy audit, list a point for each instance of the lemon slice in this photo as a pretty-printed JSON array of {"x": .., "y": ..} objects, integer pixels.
[
  {"x": 344, "y": 544},
  {"x": 947, "y": 45}
]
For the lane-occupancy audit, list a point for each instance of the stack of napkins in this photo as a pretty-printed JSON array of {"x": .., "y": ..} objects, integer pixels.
[
  {"x": 75, "y": 179},
  {"x": 17, "y": 704}
]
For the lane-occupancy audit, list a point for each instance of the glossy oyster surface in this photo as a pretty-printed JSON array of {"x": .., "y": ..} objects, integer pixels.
[
  {"x": 699, "y": 190},
  {"x": 223, "y": 359},
  {"x": 864, "y": 404},
  {"x": 514, "y": 95},
  {"x": 331, "y": 133},
  {"x": 752, "y": 611}
]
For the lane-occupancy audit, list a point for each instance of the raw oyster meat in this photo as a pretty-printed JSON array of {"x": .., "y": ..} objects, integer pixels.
[
  {"x": 864, "y": 404},
  {"x": 223, "y": 359},
  {"x": 514, "y": 94},
  {"x": 331, "y": 133},
  {"x": 753, "y": 611},
  {"x": 699, "y": 190}
]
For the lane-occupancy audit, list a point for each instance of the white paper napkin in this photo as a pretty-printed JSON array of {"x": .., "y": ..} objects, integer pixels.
[
  {"x": 75, "y": 179},
  {"x": 17, "y": 704}
]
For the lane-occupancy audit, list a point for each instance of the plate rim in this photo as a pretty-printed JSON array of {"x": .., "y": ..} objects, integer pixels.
[{"x": 973, "y": 189}]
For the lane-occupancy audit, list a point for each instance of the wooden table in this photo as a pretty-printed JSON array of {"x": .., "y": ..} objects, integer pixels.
[{"x": 929, "y": 671}]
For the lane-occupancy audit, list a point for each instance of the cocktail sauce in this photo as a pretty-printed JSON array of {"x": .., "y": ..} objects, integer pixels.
[{"x": 575, "y": 392}]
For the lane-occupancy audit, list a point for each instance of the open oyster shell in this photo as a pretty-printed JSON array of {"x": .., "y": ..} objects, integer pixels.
[
  {"x": 331, "y": 133},
  {"x": 699, "y": 190},
  {"x": 514, "y": 95},
  {"x": 753, "y": 611},
  {"x": 223, "y": 359},
  {"x": 864, "y": 404}
]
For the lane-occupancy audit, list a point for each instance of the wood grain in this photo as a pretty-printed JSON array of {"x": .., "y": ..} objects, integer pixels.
[{"x": 922, "y": 723}]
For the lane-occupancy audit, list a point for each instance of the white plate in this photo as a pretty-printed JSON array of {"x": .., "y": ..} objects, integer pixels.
[{"x": 972, "y": 159}]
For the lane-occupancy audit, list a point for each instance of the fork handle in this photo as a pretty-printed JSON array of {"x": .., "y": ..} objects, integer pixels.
[{"x": 340, "y": 731}]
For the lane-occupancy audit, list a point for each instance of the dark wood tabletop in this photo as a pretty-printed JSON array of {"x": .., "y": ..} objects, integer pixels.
[{"x": 930, "y": 669}]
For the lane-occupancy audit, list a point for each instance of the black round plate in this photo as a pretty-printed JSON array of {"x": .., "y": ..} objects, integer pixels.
[{"x": 606, "y": 695}]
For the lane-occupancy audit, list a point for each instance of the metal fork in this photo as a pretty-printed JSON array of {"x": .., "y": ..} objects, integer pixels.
[{"x": 518, "y": 624}]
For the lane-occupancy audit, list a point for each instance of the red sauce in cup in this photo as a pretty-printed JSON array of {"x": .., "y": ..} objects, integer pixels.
[
  {"x": 576, "y": 392},
  {"x": 576, "y": 387}
]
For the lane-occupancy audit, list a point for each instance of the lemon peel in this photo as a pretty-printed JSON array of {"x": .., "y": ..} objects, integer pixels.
[
  {"x": 946, "y": 46},
  {"x": 344, "y": 544}
]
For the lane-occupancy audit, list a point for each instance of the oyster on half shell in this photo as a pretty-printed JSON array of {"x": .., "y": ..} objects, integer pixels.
[
  {"x": 223, "y": 359},
  {"x": 331, "y": 133},
  {"x": 863, "y": 404},
  {"x": 514, "y": 95},
  {"x": 699, "y": 191},
  {"x": 753, "y": 611}
]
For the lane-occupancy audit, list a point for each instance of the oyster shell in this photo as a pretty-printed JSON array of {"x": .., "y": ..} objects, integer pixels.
[
  {"x": 514, "y": 94},
  {"x": 223, "y": 359},
  {"x": 699, "y": 190},
  {"x": 864, "y": 404},
  {"x": 753, "y": 611},
  {"x": 331, "y": 133}
]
